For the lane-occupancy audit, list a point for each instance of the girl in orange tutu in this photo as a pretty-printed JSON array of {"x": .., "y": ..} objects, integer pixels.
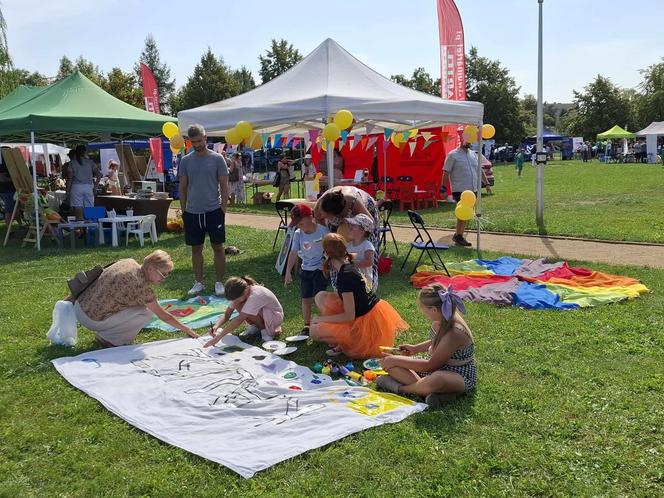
[{"x": 353, "y": 320}]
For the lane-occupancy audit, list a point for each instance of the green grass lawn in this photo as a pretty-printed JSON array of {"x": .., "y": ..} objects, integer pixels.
[
  {"x": 591, "y": 200},
  {"x": 568, "y": 403}
]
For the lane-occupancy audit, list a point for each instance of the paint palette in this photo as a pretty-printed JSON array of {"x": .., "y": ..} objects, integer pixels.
[
  {"x": 372, "y": 364},
  {"x": 284, "y": 351},
  {"x": 297, "y": 338},
  {"x": 273, "y": 345}
]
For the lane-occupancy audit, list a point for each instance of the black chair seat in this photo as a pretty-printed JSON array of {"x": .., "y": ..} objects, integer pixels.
[{"x": 424, "y": 243}]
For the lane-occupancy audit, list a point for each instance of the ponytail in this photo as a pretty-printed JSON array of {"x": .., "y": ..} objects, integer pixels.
[{"x": 235, "y": 286}]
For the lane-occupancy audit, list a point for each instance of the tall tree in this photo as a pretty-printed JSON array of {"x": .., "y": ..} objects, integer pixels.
[
  {"x": 211, "y": 81},
  {"x": 5, "y": 59},
  {"x": 421, "y": 80},
  {"x": 245, "y": 79},
  {"x": 124, "y": 86},
  {"x": 650, "y": 103},
  {"x": 490, "y": 83},
  {"x": 278, "y": 59},
  {"x": 162, "y": 73},
  {"x": 89, "y": 70},
  {"x": 65, "y": 68},
  {"x": 597, "y": 108}
]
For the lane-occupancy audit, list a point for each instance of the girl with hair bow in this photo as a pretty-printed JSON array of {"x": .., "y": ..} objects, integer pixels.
[{"x": 449, "y": 369}]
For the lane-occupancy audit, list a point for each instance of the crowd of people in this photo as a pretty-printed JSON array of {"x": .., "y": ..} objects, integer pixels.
[{"x": 352, "y": 319}]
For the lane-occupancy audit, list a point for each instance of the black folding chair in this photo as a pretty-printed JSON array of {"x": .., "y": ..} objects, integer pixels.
[
  {"x": 385, "y": 211},
  {"x": 424, "y": 243},
  {"x": 283, "y": 210}
]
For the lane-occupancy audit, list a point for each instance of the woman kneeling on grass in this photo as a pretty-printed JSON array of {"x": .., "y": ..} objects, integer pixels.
[
  {"x": 354, "y": 320},
  {"x": 450, "y": 368},
  {"x": 120, "y": 302}
]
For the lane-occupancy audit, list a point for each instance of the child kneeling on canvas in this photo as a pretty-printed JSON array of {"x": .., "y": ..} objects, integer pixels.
[
  {"x": 449, "y": 370},
  {"x": 308, "y": 245},
  {"x": 256, "y": 305},
  {"x": 353, "y": 320}
]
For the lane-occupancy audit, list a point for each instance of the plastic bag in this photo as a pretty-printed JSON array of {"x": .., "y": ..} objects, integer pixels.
[{"x": 63, "y": 329}]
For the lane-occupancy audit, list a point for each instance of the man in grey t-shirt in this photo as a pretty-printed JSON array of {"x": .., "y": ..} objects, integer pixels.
[
  {"x": 461, "y": 170},
  {"x": 203, "y": 198}
]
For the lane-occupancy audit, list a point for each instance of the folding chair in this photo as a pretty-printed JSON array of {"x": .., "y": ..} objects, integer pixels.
[
  {"x": 385, "y": 211},
  {"x": 424, "y": 243},
  {"x": 283, "y": 210}
]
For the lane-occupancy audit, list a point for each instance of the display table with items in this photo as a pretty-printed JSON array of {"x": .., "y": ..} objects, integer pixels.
[{"x": 157, "y": 205}]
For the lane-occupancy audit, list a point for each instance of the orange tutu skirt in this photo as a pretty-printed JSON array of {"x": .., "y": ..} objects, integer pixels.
[{"x": 362, "y": 337}]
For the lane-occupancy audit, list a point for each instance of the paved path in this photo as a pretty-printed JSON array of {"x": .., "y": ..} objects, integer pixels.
[{"x": 558, "y": 248}]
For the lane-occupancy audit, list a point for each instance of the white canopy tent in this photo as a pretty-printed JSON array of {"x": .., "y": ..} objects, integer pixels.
[
  {"x": 45, "y": 150},
  {"x": 329, "y": 79},
  {"x": 651, "y": 132}
]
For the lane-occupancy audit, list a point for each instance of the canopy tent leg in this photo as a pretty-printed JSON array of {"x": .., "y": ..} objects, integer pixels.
[
  {"x": 384, "y": 168},
  {"x": 478, "y": 207},
  {"x": 34, "y": 190}
]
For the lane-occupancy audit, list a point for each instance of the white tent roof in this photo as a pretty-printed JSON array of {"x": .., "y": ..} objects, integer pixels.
[
  {"x": 654, "y": 128},
  {"x": 327, "y": 80},
  {"x": 39, "y": 149}
]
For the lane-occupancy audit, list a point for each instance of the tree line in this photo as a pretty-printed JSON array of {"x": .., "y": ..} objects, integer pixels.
[{"x": 600, "y": 105}]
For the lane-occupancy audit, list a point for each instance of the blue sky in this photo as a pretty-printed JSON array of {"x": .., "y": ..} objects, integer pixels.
[{"x": 582, "y": 38}]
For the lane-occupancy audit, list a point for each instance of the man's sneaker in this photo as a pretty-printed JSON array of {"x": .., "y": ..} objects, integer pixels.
[
  {"x": 266, "y": 336},
  {"x": 219, "y": 289},
  {"x": 196, "y": 289},
  {"x": 387, "y": 383},
  {"x": 461, "y": 241},
  {"x": 250, "y": 331},
  {"x": 438, "y": 400}
]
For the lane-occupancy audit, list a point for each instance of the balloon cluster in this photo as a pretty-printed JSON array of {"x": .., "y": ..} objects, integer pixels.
[
  {"x": 343, "y": 120},
  {"x": 464, "y": 209},
  {"x": 471, "y": 132},
  {"x": 170, "y": 131},
  {"x": 242, "y": 131}
]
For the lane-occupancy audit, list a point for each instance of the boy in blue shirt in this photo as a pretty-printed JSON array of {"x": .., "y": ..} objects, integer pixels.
[{"x": 308, "y": 245}]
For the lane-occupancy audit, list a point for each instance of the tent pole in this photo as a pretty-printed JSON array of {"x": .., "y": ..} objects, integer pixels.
[
  {"x": 384, "y": 168},
  {"x": 330, "y": 165},
  {"x": 34, "y": 189},
  {"x": 478, "y": 208}
]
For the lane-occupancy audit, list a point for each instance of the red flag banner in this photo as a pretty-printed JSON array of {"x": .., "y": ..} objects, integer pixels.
[
  {"x": 452, "y": 55},
  {"x": 150, "y": 90},
  {"x": 157, "y": 155}
]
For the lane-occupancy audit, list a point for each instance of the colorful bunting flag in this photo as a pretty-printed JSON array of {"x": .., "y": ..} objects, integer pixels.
[
  {"x": 371, "y": 142},
  {"x": 369, "y": 128},
  {"x": 344, "y": 136},
  {"x": 265, "y": 137},
  {"x": 356, "y": 140},
  {"x": 412, "y": 146},
  {"x": 426, "y": 135},
  {"x": 387, "y": 132}
]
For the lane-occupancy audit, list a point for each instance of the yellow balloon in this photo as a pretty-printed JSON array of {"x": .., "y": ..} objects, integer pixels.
[
  {"x": 397, "y": 138},
  {"x": 463, "y": 213},
  {"x": 175, "y": 151},
  {"x": 343, "y": 119},
  {"x": 488, "y": 131},
  {"x": 470, "y": 133},
  {"x": 244, "y": 129},
  {"x": 468, "y": 198},
  {"x": 233, "y": 136},
  {"x": 331, "y": 132},
  {"x": 169, "y": 129},
  {"x": 177, "y": 142}
]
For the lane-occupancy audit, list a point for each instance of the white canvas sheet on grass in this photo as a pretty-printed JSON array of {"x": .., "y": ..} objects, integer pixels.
[{"x": 236, "y": 405}]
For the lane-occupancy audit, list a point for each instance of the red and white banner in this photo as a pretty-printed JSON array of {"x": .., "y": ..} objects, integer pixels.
[
  {"x": 150, "y": 90},
  {"x": 157, "y": 155},
  {"x": 452, "y": 55}
]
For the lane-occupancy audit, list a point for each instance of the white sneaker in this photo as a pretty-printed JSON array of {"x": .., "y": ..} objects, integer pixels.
[
  {"x": 266, "y": 336},
  {"x": 196, "y": 289},
  {"x": 250, "y": 331},
  {"x": 219, "y": 289}
]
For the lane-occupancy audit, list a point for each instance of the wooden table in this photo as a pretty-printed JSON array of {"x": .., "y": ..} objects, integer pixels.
[{"x": 158, "y": 207}]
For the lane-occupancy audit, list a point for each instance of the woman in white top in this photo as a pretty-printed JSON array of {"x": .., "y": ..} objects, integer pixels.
[{"x": 84, "y": 175}]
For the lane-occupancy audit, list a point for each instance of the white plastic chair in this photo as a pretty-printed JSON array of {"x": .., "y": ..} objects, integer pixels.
[{"x": 146, "y": 225}]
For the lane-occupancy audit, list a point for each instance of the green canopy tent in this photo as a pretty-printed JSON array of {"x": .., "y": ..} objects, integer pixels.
[
  {"x": 20, "y": 94},
  {"x": 73, "y": 109},
  {"x": 615, "y": 132}
]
